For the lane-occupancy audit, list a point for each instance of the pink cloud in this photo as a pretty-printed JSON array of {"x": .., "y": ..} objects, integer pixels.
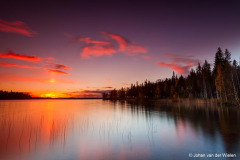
[
  {"x": 180, "y": 64},
  {"x": 6, "y": 64},
  {"x": 108, "y": 80},
  {"x": 20, "y": 57},
  {"x": 178, "y": 68},
  {"x": 18, "y": 27},
  {"x": 128, "y": 47},
  {"x": 54, "y": 67},
  {"x": 56, "y": 71},
  {"x": 125, "y": 84},
  {"x": 93, "y": 48},
  {"x": 97, "y": 50},
  {"x": 88, "y": 40}
]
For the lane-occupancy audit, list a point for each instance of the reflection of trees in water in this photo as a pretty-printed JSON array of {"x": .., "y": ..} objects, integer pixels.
[
  {"x": 23, "y": 132},
  {"x": 211, "y": 120}
]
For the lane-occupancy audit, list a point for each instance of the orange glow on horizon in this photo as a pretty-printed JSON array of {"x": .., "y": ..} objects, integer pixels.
[
  {"x": 52, "y": 95},
  {"x": 49, "y": 95},
  {"x": 61, "y": 94}
]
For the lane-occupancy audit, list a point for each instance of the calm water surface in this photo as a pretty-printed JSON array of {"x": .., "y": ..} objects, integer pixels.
[{"x": 96, "y": 129}]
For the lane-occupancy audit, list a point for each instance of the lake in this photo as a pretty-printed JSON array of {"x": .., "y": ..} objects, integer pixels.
[{"x": 102, "y": 130}]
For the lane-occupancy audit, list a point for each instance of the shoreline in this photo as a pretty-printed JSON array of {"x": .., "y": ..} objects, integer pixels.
[{"x": 185, "y": 101}]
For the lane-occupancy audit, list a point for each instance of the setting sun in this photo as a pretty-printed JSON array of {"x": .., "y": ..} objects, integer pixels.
[
  {"x": 52, "y": 81},
  {"x": 50, "y": 95}
]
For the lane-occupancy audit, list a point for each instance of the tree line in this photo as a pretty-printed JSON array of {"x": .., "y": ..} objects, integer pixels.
[
  {"x": 13, "y": 95},
  {"x": 221, "y": 82}
]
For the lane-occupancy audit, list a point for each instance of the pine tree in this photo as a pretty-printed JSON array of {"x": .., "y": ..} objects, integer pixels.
[{"x": 207, "y": 80}]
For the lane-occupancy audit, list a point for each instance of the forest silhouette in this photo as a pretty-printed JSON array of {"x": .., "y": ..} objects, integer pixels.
[
  {"x": 221, "y": 83},
  {"x": 13, "y": 95}
]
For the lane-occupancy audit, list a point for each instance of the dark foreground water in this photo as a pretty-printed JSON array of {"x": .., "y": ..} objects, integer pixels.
[{"x": 96, "y": 129}]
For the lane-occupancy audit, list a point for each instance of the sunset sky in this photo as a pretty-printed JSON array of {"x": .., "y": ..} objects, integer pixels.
[{"x": 80, "y": 49}]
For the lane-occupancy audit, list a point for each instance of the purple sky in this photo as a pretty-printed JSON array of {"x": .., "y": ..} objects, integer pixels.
[{"x": 86, "y": 47}]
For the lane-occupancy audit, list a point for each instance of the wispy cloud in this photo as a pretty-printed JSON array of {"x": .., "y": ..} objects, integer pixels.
[
  {"x": 20, "y": 56},
  {"x": 108, "y": 80},
  {"x": 88, "y": 40},
  {"x": 46, "y": 63},
  {"x": 6, "y": 64},
  {"x": 176, "y": 67},
  {"x": 87, "y": 93},
  {"x": 180, "y": 64},
  {"x": 50, "y": 59},
  {"x": 18, "y": 27},
  {"x": 56, "y": 71},
  {"x": 182, "y": 59},
  {"x": 95, "y": 48},
  {"x": 97, "y": 88},
  {"x": 125, "y": 84},
  {"x": 108, "y": 87},
  {"x": 55, "y": 67},
  {"x": 58, "y": 66},
  {"x": 128, "y": 47}
]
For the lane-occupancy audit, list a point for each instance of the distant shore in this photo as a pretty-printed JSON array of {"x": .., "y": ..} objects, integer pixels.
[{"x": 32, "y": 98}]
